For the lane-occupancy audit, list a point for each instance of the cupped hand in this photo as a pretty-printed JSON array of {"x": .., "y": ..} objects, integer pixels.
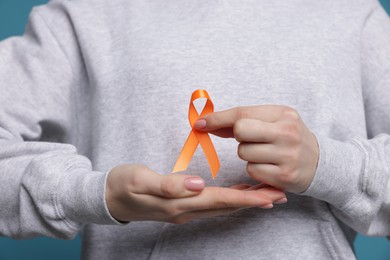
[
  {"x": 136, "y": 193},
  {"x": 280, "y": 150}
]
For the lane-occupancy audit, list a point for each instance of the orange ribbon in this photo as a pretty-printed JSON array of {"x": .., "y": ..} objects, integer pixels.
[{"x": 196, "y": 137}]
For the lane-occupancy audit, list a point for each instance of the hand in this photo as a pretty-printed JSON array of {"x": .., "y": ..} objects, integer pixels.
[
  {"x": 135, "y": 192},
  {"x": 280, "y": 150}
]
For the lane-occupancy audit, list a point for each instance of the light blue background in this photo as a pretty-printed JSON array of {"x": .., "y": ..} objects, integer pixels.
[{"x": 13, "y": 17}]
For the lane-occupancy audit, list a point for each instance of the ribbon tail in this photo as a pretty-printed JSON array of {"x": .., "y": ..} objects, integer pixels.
[
  {"x": 209, "y": 150},
  {"x": 186, "y": 153}
]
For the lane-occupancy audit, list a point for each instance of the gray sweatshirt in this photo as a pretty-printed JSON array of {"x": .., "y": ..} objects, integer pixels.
[{"x": 96, "y": 83}]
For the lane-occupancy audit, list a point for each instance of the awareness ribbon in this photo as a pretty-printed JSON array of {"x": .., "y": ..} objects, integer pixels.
[{"x": 196, "y": 137}]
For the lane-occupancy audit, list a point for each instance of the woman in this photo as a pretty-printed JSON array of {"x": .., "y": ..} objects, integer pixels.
[{"x": 113, "y": 80}]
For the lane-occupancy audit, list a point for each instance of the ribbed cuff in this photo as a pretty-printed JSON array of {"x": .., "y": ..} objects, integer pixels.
[
  {"x": 338, "y": 177},
  {"x": 60, "y": 193},
  {"x": 81, "y": 197}
]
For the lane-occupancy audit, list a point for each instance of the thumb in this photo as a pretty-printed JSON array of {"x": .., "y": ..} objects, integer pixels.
[
  {"x": 180, "y": 185},
  {"x": 146, "y": 181}
]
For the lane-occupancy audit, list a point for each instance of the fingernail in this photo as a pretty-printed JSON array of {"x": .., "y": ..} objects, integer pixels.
[
  {"x": 201, "y": 123},
  {"x": 194, "y": 183},
  {"x": 268, "y": 206},
  {"x": 281, "y": 201}
]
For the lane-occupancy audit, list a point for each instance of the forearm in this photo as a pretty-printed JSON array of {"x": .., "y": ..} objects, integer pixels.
[{"x": 48, "y": 189}]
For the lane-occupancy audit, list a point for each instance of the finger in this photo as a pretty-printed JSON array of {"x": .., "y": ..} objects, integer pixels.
[
  {"x": 266, "y": 173},
  {"x": 216, "y": 198},
  {"x": 227, "y": 118},
  {"x": 259, "y": 186},
  {"x": 241, "y": 187},
  {"x": 259, "y": 153},
  {"x": 224, "y": 132},
  {"x": 273, "y": 193},
  {"x": 146, "y": 181},
  {"x": 256, "y": 131},
  {"x": 281, "y": 201},
  {"x": 209, "y": 213}
]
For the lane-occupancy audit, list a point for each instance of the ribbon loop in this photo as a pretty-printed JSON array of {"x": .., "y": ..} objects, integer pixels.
[{"x": 195, "y": 137}]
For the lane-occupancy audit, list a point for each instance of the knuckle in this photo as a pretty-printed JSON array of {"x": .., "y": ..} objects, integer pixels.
[
  {"x": 222, "y": 201},
  {"x": 241, "y": 113},
  {"x": 136, "y": 178},
  {"x": 289, "y": 178},
  {"x": 134, "y": 182},
  {"x": 238, "y": 130},
  {"x": 289, "y": 113},
  {"x": 252, "y": 170},
  {"x": 291, "y": 132},
  {"x": 168, "y": 187}
]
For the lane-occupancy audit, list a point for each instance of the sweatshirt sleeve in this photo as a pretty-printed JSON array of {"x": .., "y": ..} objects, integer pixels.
[
  {"x": 46, "y": 187},
  {"x": 353, "y": 176}
]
